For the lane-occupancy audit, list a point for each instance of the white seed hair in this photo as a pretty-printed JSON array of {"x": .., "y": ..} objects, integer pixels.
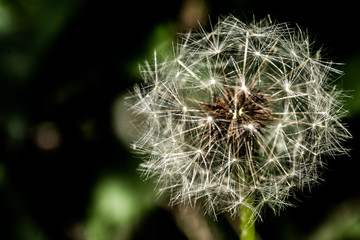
[{"x": 187, "y": 151}]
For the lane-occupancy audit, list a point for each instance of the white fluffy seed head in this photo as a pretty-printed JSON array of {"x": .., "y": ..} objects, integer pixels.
[{"x": 267, "y": 121}]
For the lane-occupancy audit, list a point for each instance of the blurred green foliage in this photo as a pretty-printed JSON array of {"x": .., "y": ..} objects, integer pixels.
[
  {"x": 351, "y": 82},
  {"x": 27, "y": 30},
  {"x": 64, "y": 65},
  {"x": 160, "y": 39},
  {"x": 118, "y": 204}
]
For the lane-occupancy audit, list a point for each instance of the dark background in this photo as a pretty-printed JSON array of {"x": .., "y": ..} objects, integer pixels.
[{"x": 66, "y": 171}]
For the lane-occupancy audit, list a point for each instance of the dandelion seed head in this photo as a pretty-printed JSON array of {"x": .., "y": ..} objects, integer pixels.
[{"x": 242, "y": 111}]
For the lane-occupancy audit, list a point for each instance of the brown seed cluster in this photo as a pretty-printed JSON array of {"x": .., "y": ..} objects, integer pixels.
[{"x": 238, "y": 113}]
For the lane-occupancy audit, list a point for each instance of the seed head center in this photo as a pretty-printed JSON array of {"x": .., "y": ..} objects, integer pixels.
[{"x": 237, "y": 114}]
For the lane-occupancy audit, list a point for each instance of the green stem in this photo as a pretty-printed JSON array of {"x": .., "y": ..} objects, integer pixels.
[{"x": 247, "y": 224}]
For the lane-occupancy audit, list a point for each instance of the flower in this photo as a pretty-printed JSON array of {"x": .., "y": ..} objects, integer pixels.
[{"x": 240, "y": 116}]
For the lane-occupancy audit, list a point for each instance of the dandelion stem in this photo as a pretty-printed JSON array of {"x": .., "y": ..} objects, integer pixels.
[{"x": 247, "y": 225}]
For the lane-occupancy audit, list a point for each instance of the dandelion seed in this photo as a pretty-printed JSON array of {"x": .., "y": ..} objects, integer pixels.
[{"x": 239, "y": 142}]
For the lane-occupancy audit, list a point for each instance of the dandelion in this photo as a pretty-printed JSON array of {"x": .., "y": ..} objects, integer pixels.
[{"x": 240, "y": 118}]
